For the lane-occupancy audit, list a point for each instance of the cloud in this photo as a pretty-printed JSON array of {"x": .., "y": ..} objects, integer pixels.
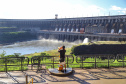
[
  {"x": 124, "y": 12},
  {"x": 115, "y": 8}
]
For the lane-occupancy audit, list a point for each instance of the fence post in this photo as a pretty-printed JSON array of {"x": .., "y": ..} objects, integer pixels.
[
  {"x": 95, "y": 61},
  {"x": 6, "y": 64},
  {"x": 123, "y": 61},
  {"x": 82, "y": 62},
  {"x": 21, "y": 64},
  {"x": 26, "y": 79},
  {"x": 31, "y": 63},
  {"x": 53, "y": 62},
  {"x": 108, "y": 61},
  {"x": 67, "y": 61},
  {"x": 38, "y": 63}
]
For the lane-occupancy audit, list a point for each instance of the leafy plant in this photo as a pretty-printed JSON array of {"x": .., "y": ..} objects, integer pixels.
[{"x": 2, "y": 54}]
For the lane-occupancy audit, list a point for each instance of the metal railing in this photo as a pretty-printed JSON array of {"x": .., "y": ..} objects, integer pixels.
[
  {"x": 121, "y": 58},
  {"x": 101, "y": 58},
  {"x": 80, "y": 60},
  {"x": 49, "y": 60},
  {"x": 13, "y": 62},
  {"x": 96, "y": 59}
]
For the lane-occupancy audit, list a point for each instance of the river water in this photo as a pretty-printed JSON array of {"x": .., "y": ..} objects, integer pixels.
[{"x": 33, "y": 46}]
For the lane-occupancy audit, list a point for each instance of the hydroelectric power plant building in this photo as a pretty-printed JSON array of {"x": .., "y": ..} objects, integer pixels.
[{"x": 71, "y": 29}]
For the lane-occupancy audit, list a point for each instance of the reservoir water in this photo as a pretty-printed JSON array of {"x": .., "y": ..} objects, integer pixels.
[{"x": 33, "y": 46}]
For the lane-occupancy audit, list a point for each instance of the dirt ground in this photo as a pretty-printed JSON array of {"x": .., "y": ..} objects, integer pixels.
[{"x": 79, "y": 76}]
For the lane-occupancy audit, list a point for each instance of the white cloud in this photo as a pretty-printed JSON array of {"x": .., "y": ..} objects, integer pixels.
[
  {"x": 123, "y": 11},
  {"x": 118, "y": 10},
  {"x": 115, "y": 8}
]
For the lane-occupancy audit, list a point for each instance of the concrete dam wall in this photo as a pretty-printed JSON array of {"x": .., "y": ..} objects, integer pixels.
[{"x": 95, "y": 28}]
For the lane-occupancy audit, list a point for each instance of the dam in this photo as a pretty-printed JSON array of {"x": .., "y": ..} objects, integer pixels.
[
  {"x": 73, "y": 36},
  {"x": 99, "y": 28}
]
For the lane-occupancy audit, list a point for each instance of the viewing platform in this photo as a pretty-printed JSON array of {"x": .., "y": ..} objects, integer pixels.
[{"x": 79, "y": 76}]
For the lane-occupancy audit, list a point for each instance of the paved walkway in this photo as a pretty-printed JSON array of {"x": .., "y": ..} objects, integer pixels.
[{"x": 80, "y": 76}]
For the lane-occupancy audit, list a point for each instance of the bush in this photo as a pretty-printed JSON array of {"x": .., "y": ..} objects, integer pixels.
[
  {"x": 99, "y": 49},
  {"x": 72, "y": 49}
]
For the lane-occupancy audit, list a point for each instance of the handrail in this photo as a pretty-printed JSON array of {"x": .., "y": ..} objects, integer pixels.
[
  {"x": 95, "y": 56},
  {"x": 6, "y": 60},
  {"x": 53, "y": 60}
]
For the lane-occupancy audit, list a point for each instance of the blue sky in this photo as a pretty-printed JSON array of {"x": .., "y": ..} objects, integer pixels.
[{"x": 46, "y": 9}]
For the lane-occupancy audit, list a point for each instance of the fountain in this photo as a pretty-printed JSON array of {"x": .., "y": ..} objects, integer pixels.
[
  {"x": 72, "y": 30},
  {"x": 76, "y": 29},
  {"x": 64, "y": 29},
  {"x": 112, "y": 31},
  {"x": 86, "y": 40},
  {"x": 55, "y": 29},
  {"x": 59, "y": 29},
  {"x": 67, "y": 29},
  {"x": 120, "y": 31}
]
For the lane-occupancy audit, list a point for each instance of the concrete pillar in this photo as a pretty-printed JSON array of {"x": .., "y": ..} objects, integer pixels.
[
  {"x": 92, "y": 38},
  {"x": 63, "y": 37},
  {"x": 102, "y": 20},
  {"x": 72, "y": 38},
  {"x": 123, "y": 19},
  {"x": 111, "y": 20},
  {"x": 118, "y": 20},
  {"x": 96, "y": 20},
  {"x": 76, "y": 38},
  {"x": 67, "y": 37},
  {"x": 89, "y": 21},
  {"x": 115, "y": 20},
  {"x": 79, "y": 37},
  {"x": 85, "y": 21},
  {"x": 108, "y": 20},
  {"x": 60, "y": 36}
]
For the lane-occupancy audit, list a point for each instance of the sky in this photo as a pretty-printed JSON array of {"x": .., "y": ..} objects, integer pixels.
[{"x": 46, "y": 9}]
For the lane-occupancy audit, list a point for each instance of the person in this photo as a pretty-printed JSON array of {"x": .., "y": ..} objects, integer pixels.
[
  {"x": 62, "y": 53},
  {"x": 62, "y": 58}
]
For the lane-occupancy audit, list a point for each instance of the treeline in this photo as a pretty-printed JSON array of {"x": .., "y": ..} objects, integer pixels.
[{"x": 10, "y": 37}]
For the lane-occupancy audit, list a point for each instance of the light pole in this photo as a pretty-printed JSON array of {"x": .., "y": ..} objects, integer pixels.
[{"x": 56, "y": 16}]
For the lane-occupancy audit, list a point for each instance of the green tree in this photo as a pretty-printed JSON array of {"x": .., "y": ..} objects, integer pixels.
[{"x": 2, "y": 54}]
